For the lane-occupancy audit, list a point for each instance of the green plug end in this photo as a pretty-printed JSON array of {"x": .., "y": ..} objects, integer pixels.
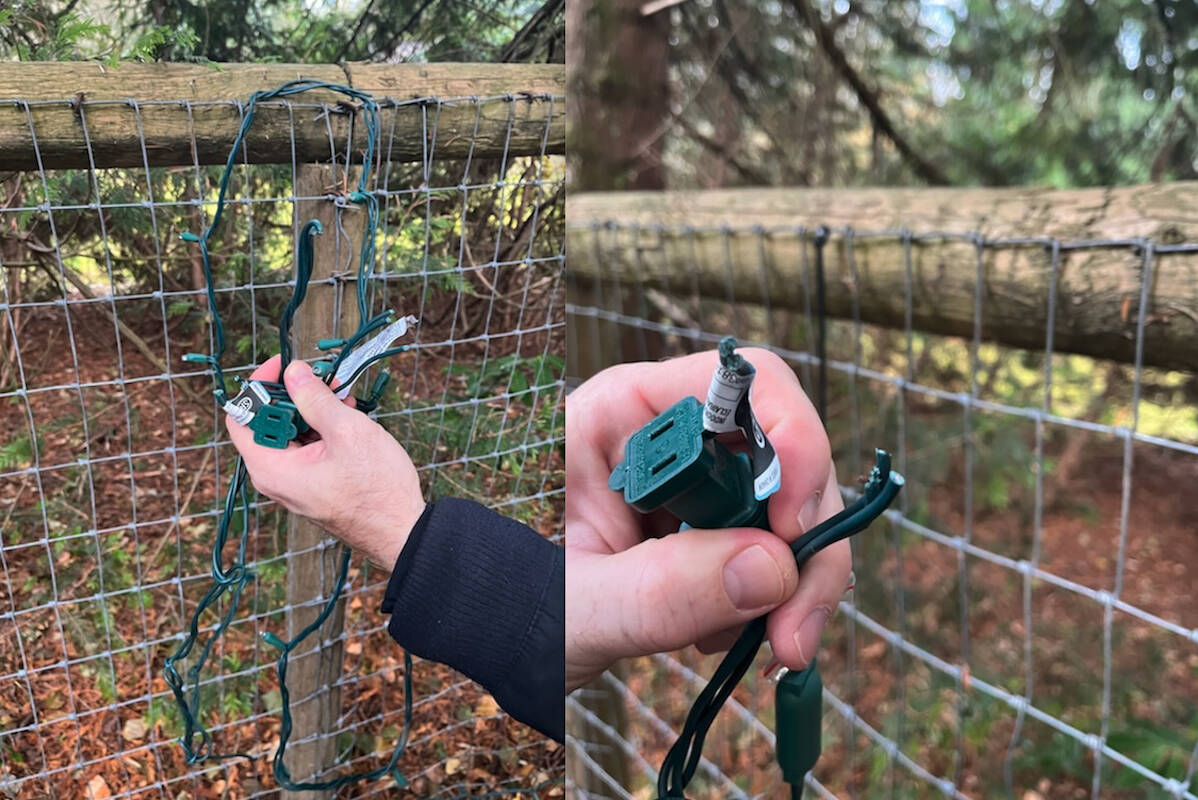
[
  {"x": 798, "y": 710},
  {"x": 730, "y": 359},
  {"x": 670, "y": 464}
]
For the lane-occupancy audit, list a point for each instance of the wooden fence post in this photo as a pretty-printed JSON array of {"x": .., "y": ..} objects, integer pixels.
[{"x": 312, "y": 569}]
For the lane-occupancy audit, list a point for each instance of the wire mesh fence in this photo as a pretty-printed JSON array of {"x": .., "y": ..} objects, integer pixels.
[
  {"x": 114, "y": 458},
  {"x": 1024, "y": 622}
]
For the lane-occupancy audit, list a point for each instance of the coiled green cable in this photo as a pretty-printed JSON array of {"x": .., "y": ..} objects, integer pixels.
[{"x": 196, "y": 740}]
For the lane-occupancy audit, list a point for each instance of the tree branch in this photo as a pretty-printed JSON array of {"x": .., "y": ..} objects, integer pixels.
[
  {"x": 867, "y": 97},
  {"x": 748, "y": 173},
  {"x": 138, "y": 342},
  {"x": 389, "y": 48},
  {"x": 357, "y": 29},
  {"x": 520, "y": 48}
]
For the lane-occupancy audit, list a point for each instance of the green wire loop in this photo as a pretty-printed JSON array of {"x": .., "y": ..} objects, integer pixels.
[
  {"x": 230, "y": 582},
  {"x": 303, "y": 274}
]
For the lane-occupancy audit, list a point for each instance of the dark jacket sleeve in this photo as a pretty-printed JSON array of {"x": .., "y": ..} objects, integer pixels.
[{"x": 486, "y": 595}]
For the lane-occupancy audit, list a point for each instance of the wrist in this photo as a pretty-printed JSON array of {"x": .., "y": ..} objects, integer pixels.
[
  {"x": 380, "y": 534},
  {"x": 394, "y": 532}
]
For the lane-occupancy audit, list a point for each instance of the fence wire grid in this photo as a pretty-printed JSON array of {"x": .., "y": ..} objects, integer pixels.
[
  {"x": 1024, "y": 621},
  {"x": 114, "y": 459}
]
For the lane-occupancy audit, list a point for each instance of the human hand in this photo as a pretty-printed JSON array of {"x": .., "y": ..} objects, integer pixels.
[
  {"x": 632, "y": 594},
  {"x": 356, "y": 481}
]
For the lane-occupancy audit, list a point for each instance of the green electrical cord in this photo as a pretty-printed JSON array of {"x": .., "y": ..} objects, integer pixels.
[
  {"x": 683, "y": 758},
  {"x": 677, "y": 463},
  {"x": 196, "y": 740}
]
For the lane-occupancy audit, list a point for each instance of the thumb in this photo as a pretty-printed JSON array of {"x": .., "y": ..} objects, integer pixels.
[
  {"x": 689, "y": 585},
  {"x": 315, "y": 401}
]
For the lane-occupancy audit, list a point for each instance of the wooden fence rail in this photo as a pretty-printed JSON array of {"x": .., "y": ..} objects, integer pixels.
[
  {"x": 743, "y": 242},
  {"x": 188, "y": 114}
]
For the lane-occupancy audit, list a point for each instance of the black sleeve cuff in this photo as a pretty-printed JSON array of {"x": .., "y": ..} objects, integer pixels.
[{"x": 486, "y": 595}]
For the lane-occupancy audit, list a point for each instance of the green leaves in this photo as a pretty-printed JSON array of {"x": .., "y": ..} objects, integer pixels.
[
  {"x": 179, "y": 308},
  {"x": 1164, "y": 750},
  {"x": 16, "y": 453},
  {"x": 513, "y": 374},
  {"x": 150, "y": 45},
  {"x": 45, "y": 36}
]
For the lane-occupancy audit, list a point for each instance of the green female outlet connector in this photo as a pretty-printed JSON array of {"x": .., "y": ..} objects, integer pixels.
[
  {"x": 670, "y": 464},
  {"x": 274, "y": 426}
]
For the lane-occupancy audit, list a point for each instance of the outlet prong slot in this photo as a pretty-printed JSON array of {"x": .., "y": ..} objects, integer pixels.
[
  {"x": 669, "y": 424},
  {"x": 665, "y": 462}
]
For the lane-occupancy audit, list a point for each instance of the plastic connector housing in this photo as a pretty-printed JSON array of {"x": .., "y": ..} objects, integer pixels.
[
  {"x": 670, "y": 463},
  {"x": 798, "y": 704},
  {"x": 274, "y": 426}
]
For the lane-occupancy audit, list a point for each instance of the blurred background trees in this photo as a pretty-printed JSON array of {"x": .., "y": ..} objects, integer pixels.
[
  {"x": 285, "y": 30},
  {"x": 882, "y": 92}
]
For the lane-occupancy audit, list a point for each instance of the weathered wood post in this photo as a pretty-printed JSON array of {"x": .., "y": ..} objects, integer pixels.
[
  {"x": 311, "y": 567},
  {"x": 618, "y": 55}
]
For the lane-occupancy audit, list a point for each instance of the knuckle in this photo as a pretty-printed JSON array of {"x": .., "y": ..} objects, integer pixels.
[
  {"x": 820, "y": 445},
  {"x": 768, "y": 360},
  {"x": 662, "y": 614}
]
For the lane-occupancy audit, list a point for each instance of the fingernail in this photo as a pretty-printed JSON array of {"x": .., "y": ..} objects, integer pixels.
[
  {"x": 809, "y": 513},
  {"x": 752, "y": 579},
  {"x": 807, "y": 636},
  {"x": 299, "y": 373}
]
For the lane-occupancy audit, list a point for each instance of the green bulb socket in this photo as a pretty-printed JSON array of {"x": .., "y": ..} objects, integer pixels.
[
  {"x": 671, "y": 464},
  {"x": 329, "y": 344},
  {"x": 379, "y": 385},
  {"x": 322, "y": 369},
  {"x": 798, "y": 705}
]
